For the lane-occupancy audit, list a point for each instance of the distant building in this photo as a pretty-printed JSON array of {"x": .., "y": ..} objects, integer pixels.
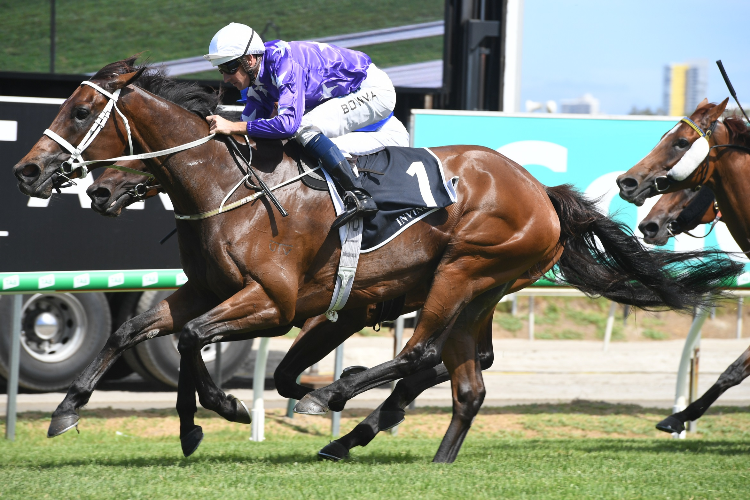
[
  {"x": 585, "y": 105},
  {"x": 685, "y": 86}
]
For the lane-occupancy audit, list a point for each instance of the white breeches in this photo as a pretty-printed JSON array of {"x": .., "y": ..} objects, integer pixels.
[{"x": 338, "y": 118}]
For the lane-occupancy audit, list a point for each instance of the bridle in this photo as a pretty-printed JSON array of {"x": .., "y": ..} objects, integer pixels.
[
  {"x": 673, "y": 227},
  {"x": 76, "y": 161}
]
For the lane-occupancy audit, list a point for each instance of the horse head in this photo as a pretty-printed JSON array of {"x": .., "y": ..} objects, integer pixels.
[
  {"x": 676, "y": 213},
  {"x": 116, "y": 189},
  {"x": 43, "y": 168},
  {"x": 674, "y": 163}
]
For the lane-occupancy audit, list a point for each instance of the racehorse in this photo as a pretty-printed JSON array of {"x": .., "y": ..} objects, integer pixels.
[
  {"x": 679, "y": 212},
  {"x": 722, "y": 165},
  {"x": 504, "y": 227}
]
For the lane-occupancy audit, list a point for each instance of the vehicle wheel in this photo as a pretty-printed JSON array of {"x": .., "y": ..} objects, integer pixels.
[
  {"x": 61, "y": 333},
  {"x": 159, "y": 356}
]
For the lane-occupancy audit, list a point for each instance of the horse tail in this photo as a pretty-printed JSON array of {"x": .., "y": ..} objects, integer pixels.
[{"x": 602, "y": 257}]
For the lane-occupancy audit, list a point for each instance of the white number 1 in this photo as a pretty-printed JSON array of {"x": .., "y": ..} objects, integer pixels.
[{"x": 417, "y": 168}]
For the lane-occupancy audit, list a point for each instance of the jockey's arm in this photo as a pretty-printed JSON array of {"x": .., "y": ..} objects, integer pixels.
[{"x": 288, "y": 77}]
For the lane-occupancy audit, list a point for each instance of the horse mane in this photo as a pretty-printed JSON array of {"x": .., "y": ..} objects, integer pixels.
[
  {"x": 188, "y": 95},
  {"x": 739, "y": 133}
]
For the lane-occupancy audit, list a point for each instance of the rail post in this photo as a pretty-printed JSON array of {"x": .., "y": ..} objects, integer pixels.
[
  {"x": 610, "y": 325},
  {"x": 338, "y": 366},
  {"x": 739, "y": 317},
  {"x": 398, "y": 337},
  {"x": 531, "y": 317},
  {"x": 681, "y": 395},
  {"x": 15, "y": 354},
  {"x": 217, "y": 365},
  {"x": 258, "y": 412}
]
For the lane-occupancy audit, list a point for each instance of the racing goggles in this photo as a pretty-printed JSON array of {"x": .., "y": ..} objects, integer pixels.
[{"x": 229, "y": 68}]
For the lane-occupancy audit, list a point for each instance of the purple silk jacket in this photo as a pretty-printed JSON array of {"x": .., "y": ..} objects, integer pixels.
[{"x": 299, "y": 76}]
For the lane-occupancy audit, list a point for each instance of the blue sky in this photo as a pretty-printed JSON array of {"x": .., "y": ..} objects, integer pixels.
[{"x": 616, "y": 50}]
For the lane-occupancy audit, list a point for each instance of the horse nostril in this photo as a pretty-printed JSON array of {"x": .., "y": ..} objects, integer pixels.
[
  {"x": 99, "y": 195},
  {"x": 649, "y": 230},
  {"x": 627, "y": 184},
  {"x": 28, "y": 173}
]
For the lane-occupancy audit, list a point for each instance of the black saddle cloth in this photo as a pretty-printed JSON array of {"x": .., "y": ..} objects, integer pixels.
[{"x": 407, "y": 184}]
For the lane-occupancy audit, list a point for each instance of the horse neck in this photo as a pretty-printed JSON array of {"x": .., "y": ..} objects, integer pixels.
[
  {"x": 196, "y": 179},
  {"x": 731, "y": 185}
]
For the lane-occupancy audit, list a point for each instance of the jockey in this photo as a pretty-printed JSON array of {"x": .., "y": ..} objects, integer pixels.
[{"x": 325, "y": 97}]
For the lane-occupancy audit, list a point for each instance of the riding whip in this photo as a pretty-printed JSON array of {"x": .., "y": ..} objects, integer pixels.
[{"x": 731, "y": 89}]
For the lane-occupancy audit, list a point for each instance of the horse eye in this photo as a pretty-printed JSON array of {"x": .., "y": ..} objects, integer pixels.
[
  {"x": 82, "y": 113},
  {"x": 682, "y": 143}
]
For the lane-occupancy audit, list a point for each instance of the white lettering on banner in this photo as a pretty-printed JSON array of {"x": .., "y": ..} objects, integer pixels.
[
  {"x": 8, "y": 130},
  {"x": 166, "y": 201},
  {"x": 11, "y": 281},
  {"x": 543, "y": 153},
  {"x": 149, "y": 279},
  {"x": 4, "y": 233},
  {"x": 46, "y": 281},
  {"x": 138, "y": 205},
  {"x": 727, "y": 243},
  {"x": 115, "y": 279},
  {"x": 81, "y": 280},
  {"x": 417, "y": 168},
  {"x": 604, "y": 189},
  {"x": 80, "y": 187}
]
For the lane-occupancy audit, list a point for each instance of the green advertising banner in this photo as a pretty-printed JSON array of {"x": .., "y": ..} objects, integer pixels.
[{"x": 588, "y": 151}]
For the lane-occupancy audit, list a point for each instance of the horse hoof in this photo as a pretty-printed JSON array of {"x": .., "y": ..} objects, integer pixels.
[
  {"x": 242, "y": 413},
  {"x": 62, "y": 424},
  {"x": 390, "y": 419},
  {"x": 671, "y": 424},
  {"x": 308, "y": 405},
  {"x": 191, "y": 441},
  {"x": 333, "y": 451},
  {"x": 352, "y": 370}
]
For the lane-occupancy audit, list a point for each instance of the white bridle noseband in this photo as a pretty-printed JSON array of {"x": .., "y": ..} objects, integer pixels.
[{"x": 76, "y": 161}]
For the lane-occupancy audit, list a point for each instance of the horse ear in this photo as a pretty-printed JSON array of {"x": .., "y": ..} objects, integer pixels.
[
  {"x": 717, "y": 110},
  {"x": 124, "y": 80},
  {"x": 702, "y": 104}
]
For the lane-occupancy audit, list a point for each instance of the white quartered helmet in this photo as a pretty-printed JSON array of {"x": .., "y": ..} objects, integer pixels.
[{"x": 233, "y": 41}]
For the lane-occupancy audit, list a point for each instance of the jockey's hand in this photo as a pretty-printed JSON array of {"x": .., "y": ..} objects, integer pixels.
[{"x": 219, "y": 125}]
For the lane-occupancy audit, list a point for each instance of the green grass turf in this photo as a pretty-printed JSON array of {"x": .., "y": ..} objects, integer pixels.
[
  {"x": 91, "y": 33},
  {"x": 494, "y": 463}
]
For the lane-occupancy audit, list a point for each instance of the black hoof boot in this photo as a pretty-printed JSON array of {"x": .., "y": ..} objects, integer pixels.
[
  {"x": 358, "y": 204},
  {"x": 242, "y": 414},
  {"x": 390, "y": 419},
  {"x": 309, "y": 405},
  {"x": 333, "y": 451},
  {"x": 671, "y": 424},
  {"x": 61, "y": 424},
  {"x": 191, "y": 441}
]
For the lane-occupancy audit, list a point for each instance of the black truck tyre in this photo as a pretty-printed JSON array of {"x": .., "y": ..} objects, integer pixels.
[
  {"x": 61, "y": 333},
  {"x": 160, "y": 358}
]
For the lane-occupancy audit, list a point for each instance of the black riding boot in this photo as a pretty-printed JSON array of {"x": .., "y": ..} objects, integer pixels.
[{"x": 358, "y": 202}]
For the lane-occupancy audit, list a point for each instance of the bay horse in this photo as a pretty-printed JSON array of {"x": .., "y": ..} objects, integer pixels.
[
  {"x": 679, "y": 212},
  {"x": 723, "y": 168},
  {"x": 505, "y": 226}
]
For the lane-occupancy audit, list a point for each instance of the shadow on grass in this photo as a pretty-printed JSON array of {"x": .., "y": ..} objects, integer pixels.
[
  {"x": 622, "y": 446},
  {"x": 209, "y": 459}
]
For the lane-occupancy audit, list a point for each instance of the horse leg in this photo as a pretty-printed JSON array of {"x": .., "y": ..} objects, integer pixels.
[
  {"x": 237, "y": 318},
  {"x": 162, "y": 319},
  {"x": 421, "y": 352},
  {"x": 317, "y": 338},
  {"x": 391, "y": 412},
  {"x": 733, "y": 375}
]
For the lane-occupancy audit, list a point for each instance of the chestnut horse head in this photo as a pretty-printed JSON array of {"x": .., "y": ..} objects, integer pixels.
[
  {"x": 676, "y": 213},
  {"x": 678, "y": 160}
]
